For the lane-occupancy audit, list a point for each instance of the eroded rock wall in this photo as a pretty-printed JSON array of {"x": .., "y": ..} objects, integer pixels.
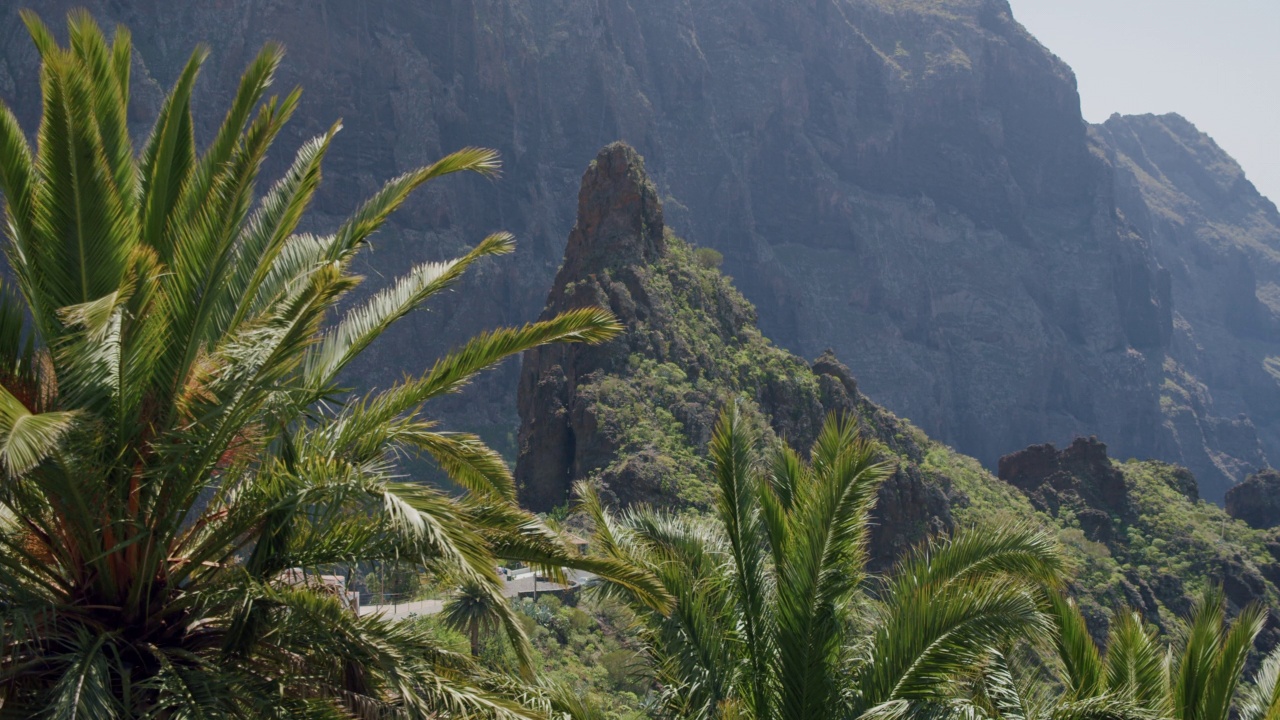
[{"x": 907, "y": 182}]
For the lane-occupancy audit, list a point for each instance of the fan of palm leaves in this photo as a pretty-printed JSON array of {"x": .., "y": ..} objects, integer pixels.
[
  {"x": 1139, "y": 676},
  {"x": 177, "y": 449},
  {"x": 768, "y": 595}
]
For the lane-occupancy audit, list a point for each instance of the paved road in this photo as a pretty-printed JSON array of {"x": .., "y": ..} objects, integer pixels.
[
  {"x": 404, "y": 610},
  {"x": 511, "y": 588}
]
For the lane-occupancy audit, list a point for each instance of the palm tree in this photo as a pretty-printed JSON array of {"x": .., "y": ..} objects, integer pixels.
[
  {"x": 1138, "y": 676},
  {"x": 769, "y": 620},
  {"x": 472, "y": 609},
  {"x": 181, "y": 463}
]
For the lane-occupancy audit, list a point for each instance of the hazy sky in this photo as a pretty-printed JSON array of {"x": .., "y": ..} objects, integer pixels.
[{"x": 1215, "y": 62}]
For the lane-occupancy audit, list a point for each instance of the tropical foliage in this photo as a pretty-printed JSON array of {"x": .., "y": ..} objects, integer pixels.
[
  {"x": 769, "y": 621},
  {"x": 584, "y": 647},
  {"x": 473, "y": 609},
  {"x": 181, "y": 462},
  {"x": 1138, "y": 675}
]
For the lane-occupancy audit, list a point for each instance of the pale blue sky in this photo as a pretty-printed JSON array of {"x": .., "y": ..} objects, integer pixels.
[{"x": 1216, "y": 62}]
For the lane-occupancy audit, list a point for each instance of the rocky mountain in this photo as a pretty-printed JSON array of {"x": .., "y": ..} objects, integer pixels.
[
  {"x": 1217, "y": 241},
  {"x": 908, "y": 182},
  {"x": 634, "y": 415}
]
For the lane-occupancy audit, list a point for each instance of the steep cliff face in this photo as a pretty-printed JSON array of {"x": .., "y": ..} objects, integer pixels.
[
  {"x": 907, "y": 182},
  {"x": 1256, "y": 501},
  {"x": 1218, "y": 244}
]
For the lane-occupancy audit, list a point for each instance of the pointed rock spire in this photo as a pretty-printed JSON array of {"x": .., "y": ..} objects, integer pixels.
[{"x": 619, "y": 216}]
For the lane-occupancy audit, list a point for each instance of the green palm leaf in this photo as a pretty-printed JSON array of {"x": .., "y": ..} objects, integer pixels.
[
  {"x": 1230, "y": 662},
  {"x": 370, "y": 216},
  {"x": 738, "y": 484},
  {"x": 84, "y": 692},
  {"x": 765, "y": 595},
  {"x": 1262, "y": 700},
  {"x": 1082, "y": 663},
  {"x": 1137, "y": 664},
  {"x": 365, "y": 323},
  {"x": 948, "y": 603}
]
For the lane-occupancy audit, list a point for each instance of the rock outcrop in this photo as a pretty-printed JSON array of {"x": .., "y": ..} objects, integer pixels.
[
  {"x": 1256, "y": 501},
  {"x": 1081, "y": 476},
  {"x": 635, "y": 414},
  {"x": 619, "y": 233},
  {"x": 1148, "y": 518},
  {"x": 910, "y": 183}
]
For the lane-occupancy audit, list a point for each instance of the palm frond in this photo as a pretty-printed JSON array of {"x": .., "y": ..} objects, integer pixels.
[
  {"x": 370, "y": 216},
  {"x": 1002, "y": 695},
  {"x": 365, "y": 323},
  {"x": 1229, "y": 664},
  {"x": 18, "y": 185},
  {"x": 1082, "y": 664},
  {"x": 1137, "y": 663},
  {"x": 1262, "y": 700},
  {"x": 27, "y": 439},
  {"x": 87, "y": 232},
  {"x": 168, "y": 158},
  {"x": 467, "y": 461},
  {"x": 948, "y": 603},
  {"x": 274, "y": 221},
  {"x": 731, "y": 452},
  {"x": 515, "y": 534},
  {"x": 215, "y": 162},
  {"x": 109, "y": 93},
  {"x": 1022, "y": 551},
  {"x": 84, "y": 690},
  {"x": 452, "y": 372},
  {"x": 1198, "y": 661},
  {"x": 824, "y": 562},
  {"x": 1102, "y": 707},
  {"x": 923, "y": 640}
]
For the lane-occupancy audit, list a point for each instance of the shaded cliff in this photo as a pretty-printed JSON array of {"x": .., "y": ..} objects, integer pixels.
[
  {"x": 909, "y": 183},
  {"x": 1218, "y": 241},
  {"x": 1256, "y": 501},
  {"x": 1080, "y": 476}
]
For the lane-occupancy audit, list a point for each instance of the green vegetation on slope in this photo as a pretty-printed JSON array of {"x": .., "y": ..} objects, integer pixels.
[
  {"x": 691, "y": 346},
  {"x": 587, "y": 646},
  {"x": 1162, "y": 554},
  {"x": 697, "y": 349}
]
